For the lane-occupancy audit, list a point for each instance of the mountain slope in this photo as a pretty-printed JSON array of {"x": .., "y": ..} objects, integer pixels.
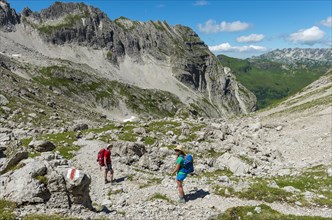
[
  {"x": 151, "y": 55},
  {"x": 270, "y": 80}
]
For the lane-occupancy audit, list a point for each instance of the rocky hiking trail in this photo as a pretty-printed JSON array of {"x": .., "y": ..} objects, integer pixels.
[{"x": 127, "y": 198}]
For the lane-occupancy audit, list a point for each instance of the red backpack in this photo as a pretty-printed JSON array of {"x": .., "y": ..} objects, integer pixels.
[{"x": 100, "y": 158}]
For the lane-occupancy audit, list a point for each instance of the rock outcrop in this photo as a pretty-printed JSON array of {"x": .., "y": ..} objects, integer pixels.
[
  {"x": 45, "y": 180},
  {"x": 8, "y": 17}
]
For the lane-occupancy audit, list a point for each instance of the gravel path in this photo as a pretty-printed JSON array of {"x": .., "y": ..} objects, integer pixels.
[{"x": 135, "y": 202}]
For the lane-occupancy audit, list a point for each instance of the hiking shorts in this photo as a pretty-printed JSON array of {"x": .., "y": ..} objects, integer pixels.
[
  {"x": 109, "y": 166},
  {"x": 181, "y": 176}
]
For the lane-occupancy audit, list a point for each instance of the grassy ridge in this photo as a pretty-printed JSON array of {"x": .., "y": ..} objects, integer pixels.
[{"x": 271, "y": 81}]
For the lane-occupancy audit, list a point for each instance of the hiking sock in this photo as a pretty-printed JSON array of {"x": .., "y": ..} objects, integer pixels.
[{"x": 181, "y": 200}]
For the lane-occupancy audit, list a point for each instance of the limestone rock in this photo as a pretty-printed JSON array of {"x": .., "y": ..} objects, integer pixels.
[
  {"x": 80, "y": 127},
  {"x": 3, "y": 100},
  {"x": 234, "y": 164},
  {"x": 13, "y": 160},
  {"x": 42, "y": 145},
  {"x": 128, "y": 149},
  {"x": 77, "y": 184},
  {"x": 23, "y": 186}
]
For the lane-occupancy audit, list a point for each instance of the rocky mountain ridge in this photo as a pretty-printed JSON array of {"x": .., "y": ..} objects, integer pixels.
[
  {"x": 299, "y": 56},
  {"x": 127, "y": 48}
]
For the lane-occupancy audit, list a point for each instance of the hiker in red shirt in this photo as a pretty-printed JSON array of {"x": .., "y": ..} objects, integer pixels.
[{"x": 108, "y": 163}]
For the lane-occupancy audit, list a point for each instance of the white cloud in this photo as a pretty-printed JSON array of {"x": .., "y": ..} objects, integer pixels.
[
  {"x": 327, "y": 22},
  {"x": 226, "y": 47},
  {"x": 160, "y": 6},
  {"x": 201, "y": 3},
  {"x": 308, "y": 36},
  {"x": 250, "y": 38},
  {"x": 211, "y": 26}
]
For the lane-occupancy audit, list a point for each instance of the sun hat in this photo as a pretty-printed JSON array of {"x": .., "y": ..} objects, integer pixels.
[
  {"x": 180, "y": 148},
  {"x": 109, "y": 145}
]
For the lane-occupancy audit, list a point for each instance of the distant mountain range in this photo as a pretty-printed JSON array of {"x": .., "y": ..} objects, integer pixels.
[
  {"x": 279, "y": 73},
  {"x": 299, "y": 56}
]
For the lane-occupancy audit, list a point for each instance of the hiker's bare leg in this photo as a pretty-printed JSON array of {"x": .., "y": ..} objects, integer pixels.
[
  {"x": 105, "y": 175},
  {"x": 180, "y": 188},
  {"x": 111, "y": 174}
]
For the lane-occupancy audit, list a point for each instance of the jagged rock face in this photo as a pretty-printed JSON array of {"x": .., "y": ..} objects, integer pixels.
[
  {"x": 8, "y": 17},
  {"x": 178, "y": 46}
]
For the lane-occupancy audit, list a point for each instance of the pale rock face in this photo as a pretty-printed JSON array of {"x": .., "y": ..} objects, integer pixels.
[
  {"x": 128, "y": 149},
  {"x": 77, "y": 184},
  {"x": 234, "y": 164},
  {"x": 23, "y": 185}
]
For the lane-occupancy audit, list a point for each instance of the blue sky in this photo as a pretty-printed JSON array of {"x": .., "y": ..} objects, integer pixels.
[{"x": 234, "y": 28}]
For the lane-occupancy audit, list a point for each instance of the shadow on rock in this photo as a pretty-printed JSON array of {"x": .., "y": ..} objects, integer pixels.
[{"x": 196, "y": 194}]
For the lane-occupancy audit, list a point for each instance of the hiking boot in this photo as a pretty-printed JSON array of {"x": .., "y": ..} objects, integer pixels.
[
  {"x": 182, "y": 200},
  {"x": 106, "y": 181}
]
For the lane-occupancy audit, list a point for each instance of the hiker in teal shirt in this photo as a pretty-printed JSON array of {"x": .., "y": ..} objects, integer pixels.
[{"x": 181, "y": 175}]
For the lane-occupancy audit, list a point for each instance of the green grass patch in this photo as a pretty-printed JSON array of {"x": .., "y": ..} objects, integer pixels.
[
  {"x": 190, "y": 137},
  {"x": 221, "y": 191},
  {"x": 68, "y": 22},
  {"x": 67, "y": 152},
  {"x": 100, "y": 130},
  {"x": 261, "y": 191},
  {"x": 246, "y": 159},
  {"x": 6, "y": 210},
  {"x": 63, "y": 142},
  {"x": 159, "y": 196},
  {"x": 150, "y": 182},
  {"x": 123, "y": 213},
  {"x": 128, "y": 136},
  {"x": 42, "y": 179},
  {"x": 149, "y": 140},
  {"x": 114, "y": 192},
  {"x": 109, "y": 54},
  {"x": 242, "y": 212},
  {"x": 171, "y": 146},
  {"x": 307, "y": 105},
  {"x": 47, "y": 217},
  {"x": 33, "y": 154},
  {"x": 13, "y": 168},
  {"x": 159, "y": 26},
  {"x": 327, "y": 201},
  {"x": 131, "y": 177},
  {"x": 25, "y": 141},
  {"x": 164, "y": 127},
  {"x": 214, "y": 154},
  {"x": 313, "y": 180}
]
